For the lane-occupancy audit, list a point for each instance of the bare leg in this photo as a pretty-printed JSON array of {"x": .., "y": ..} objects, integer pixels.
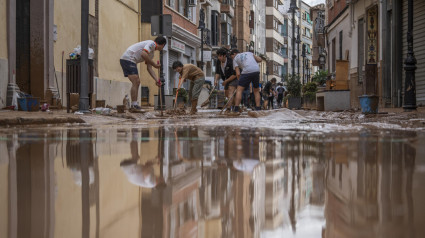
[
  {"x": 231, "y": 91},
  {"x": 257, "y": 97},
  {"x": 135, "y": 81},
  {"x": 239, "y": 92}
]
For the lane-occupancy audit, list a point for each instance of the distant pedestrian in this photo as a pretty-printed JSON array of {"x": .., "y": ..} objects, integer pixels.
[
  {"x": 197, "y": 80},
  {"x": 280, "y": 91},
  {"x": 248, "y": 63},
  {"x": 137, "y": 53},
  {"x": 268, "y": 94},
  {"x": 224, "y": 70}
]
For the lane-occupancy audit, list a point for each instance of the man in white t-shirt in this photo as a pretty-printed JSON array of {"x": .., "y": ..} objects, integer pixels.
[
  {"x": 138, "y": 53},
  {"x": 248, "y": 63}
]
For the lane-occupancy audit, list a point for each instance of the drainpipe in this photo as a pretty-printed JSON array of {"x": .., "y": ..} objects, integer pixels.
[{"x": 12, "y": 87}]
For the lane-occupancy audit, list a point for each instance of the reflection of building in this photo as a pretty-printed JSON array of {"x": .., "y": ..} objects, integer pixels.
[
  {"x": 274, "y": 207},
  {"x": 370, "y": 193}
]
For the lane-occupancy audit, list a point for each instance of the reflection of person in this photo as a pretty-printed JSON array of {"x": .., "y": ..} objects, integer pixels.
[
  {"x": 142, "y": 175},
  {"x": 245, "y": 165},
  {"x": 224, "y": 70},
  {"x": 197, "y": 80},
  {"x": 248, "y": 63},
  {"x": 137, "y": 53}
]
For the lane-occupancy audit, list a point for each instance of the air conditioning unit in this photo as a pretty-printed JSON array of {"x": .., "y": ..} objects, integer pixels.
[
  {"x": 285, "y": 45},
  {"x": 223, "y": 17}
]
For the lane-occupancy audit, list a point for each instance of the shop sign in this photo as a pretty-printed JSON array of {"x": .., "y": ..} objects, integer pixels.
[{"x": 177, "y": 45}]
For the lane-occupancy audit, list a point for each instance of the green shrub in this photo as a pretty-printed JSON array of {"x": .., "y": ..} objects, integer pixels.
[
  {"x": 293, "y": 85},
  {"x": 320, "y": 77}
]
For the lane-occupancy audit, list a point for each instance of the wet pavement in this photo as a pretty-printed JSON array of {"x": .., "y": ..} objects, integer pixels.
[{"x": 190, "y": 179}]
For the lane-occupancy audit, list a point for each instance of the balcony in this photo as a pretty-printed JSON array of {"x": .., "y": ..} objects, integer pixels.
[
  {"x": 228, "y": 9},
  {"x": 271, "y": 11},
  {"x": 207, "y": 2},
  {"x": 275, "y": 57},
  {"x": 271, "y": 33}
]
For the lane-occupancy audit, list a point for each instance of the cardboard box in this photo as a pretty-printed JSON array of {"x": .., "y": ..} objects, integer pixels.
[{"x": 341, "y": 71}]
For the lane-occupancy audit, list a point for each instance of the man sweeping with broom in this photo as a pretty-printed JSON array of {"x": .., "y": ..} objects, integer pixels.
[{"x": 197, "y": 80}]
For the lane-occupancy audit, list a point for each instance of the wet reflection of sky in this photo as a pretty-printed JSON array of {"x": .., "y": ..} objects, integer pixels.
[{"x": 210, "y": 182}]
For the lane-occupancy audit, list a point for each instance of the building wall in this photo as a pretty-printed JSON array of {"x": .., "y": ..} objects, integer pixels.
[
  {"x": 335, "y": 8},
  {"x": 342, "y": 24},
  {"x": 241, "y": 23},
  {"x": 3, "y": 54},
  {"x": 115, "y": 36},
  {"x": 3, "y": 30},
  {"x": 356, "y": 89}
]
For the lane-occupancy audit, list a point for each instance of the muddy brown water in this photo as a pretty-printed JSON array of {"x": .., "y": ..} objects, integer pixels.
[{"x": 210, "y": 182}]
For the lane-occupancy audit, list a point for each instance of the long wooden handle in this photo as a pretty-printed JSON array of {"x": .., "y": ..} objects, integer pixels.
[
  {"x": 160, "y": 88},
  {"x": 177, "y": 92},
  {"x": 230, "y": 99}
]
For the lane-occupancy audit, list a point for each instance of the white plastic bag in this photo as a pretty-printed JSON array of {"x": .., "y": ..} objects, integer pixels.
[
  {"x": 15, "y": 100},
  {"x": 77, "y": 50},
  {"x": 91, "y": 53}
]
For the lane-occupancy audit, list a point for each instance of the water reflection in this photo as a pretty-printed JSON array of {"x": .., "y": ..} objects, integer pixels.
[{"x": 210, "y": 182}]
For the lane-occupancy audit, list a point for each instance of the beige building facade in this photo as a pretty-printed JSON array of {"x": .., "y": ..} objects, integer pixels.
[{"x": 38, "y": 51}]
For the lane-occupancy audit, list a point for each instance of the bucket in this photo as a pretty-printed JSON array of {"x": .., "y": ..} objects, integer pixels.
[
  {"x": 29, "y": 104},
  {"x": 369, "y": 104}
]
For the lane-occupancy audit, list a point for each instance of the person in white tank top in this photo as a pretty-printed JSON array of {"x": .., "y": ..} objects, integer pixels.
[{"x": 138, "y": 53}]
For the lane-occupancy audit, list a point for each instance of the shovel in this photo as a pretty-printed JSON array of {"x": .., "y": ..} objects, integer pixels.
[
  {"x": 160, "y": 90},
  {"x": 230, "y": 99},
  {"x": 177, "y": 93},
  {"x": 208, "y": 99}
]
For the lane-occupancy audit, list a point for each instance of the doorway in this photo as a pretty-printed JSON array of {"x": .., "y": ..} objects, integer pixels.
[{"x": 23, "y": 45}]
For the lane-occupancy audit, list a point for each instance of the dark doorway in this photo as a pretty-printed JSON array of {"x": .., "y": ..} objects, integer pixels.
[{"x": 23, "y": 45}]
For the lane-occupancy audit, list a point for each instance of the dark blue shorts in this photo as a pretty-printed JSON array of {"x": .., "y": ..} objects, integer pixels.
[
  {"x": 128, "y": 68},
  {"x": 246, "y": 79}
]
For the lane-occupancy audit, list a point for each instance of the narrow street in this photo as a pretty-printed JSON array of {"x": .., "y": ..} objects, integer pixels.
[{"x": 286, "y": 174}]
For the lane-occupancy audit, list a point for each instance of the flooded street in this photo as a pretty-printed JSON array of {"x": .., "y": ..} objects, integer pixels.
[{"x": 211, "y": 181}]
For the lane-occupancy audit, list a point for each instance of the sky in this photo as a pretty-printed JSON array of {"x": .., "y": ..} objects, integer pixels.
[{"x": 313, "y": 2}]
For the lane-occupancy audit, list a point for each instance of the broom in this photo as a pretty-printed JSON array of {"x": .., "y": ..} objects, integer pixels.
[
  {"x": 230, "y": 99},
  {"x": 208, "y": 99}
]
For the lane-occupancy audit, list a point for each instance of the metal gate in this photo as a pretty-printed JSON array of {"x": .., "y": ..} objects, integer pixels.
[{"x": 418, "y": 46}]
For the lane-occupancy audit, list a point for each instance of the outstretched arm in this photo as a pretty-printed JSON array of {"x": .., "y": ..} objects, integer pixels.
[
  {"x": 152, "y": 73},
  {"x": 238, "y": 72},
  {"x": 148, "y": 60},
  {"x": 258, "y": 59}
]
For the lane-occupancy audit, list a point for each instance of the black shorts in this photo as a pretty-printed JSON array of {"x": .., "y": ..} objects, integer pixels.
[
  {"x": 128, "y": 68},
  {"x": 246, "y": 79}
]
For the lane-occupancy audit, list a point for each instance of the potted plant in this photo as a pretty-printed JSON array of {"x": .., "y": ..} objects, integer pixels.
[
  {"x": 293, "y": 85},
  {"x": 320, "y": 78},
  {"x": 182, "y": 97},
  {"x": 309, "y": 95}
]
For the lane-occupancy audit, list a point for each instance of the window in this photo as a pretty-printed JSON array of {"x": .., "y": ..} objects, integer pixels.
[
  {"x": 182, "y": 7},
  {"x": 214, "y": 28},
  {"x": 307, "y": 33}
]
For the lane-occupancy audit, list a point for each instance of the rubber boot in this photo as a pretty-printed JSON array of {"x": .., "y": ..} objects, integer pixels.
[{"x": 194, "y": 104}]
